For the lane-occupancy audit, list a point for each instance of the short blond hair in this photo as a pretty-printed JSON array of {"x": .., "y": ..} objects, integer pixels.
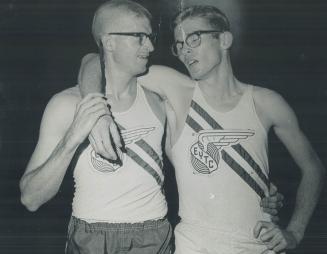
[{"x": 127, "y": 6}]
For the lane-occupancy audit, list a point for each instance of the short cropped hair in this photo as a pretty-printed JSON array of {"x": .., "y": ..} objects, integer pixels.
[
  {"x": 215, "y": 17},
  {"x": 126, "y": 6}
]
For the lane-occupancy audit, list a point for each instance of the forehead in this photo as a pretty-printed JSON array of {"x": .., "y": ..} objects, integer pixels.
[
  {"x": 135, "y": 23},
  {"x": 123, "y": 21},
  {"x": 190, "y": 25}
]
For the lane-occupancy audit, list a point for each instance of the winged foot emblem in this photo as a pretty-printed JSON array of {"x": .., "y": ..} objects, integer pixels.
[
  {"x": 129, "y": 136},
  {"x": 206, "y": 152}
]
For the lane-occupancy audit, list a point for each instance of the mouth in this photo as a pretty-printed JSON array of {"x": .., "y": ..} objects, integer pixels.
[
  {"x": 144, "y": 57},
  {"x": 191, "y": 63}
]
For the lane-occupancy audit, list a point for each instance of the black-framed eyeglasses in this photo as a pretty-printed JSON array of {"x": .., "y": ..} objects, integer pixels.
[
  {"x": 142, "y": 36},
  {"x": 192, "y": 40}
]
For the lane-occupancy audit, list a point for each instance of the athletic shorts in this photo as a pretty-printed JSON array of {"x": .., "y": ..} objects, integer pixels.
[
  {"x": 149, "y": 237},
  {"x": 194, "y": 239}
]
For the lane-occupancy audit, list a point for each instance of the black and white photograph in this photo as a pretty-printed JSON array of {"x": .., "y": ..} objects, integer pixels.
[{"x": 163, "y": 127}]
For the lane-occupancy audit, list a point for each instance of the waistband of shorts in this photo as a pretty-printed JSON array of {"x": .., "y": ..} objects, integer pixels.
[{"x": 105, "y": 226}]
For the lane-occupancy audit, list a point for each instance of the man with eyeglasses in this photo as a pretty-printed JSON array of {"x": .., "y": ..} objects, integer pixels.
[
  {"x": 118, "y": 206},
  {"x": 217, "y": 142}
]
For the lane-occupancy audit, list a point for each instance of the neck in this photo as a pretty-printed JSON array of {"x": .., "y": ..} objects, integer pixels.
[
  {"x": 220, "y": 82},
  {"x": 119, "y": 84}
]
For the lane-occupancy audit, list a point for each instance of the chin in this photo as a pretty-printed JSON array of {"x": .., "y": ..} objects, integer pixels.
[
  {"x": 196, "y": 75},
  {"x": 141, "y": 71}
]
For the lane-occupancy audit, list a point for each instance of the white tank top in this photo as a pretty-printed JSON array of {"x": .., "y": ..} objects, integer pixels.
[
  {"x": 107, "y": 192},
  {"x": 222, "y": 166}
]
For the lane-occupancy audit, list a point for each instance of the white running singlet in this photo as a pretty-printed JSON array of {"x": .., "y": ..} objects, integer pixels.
[
  {"x": 132, "y": 192},
  {"x": 222, "y": 170}
]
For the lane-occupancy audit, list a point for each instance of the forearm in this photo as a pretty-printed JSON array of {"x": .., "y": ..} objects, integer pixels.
[
  {"x": 41, "y": 184},
  {"x": 89, "y": 77},
  {"x": 306, "y": 200}
]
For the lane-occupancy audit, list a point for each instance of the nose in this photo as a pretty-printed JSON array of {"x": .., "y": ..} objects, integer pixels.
[
  {"x": 185, "y": 49},
  {"x": 149, "y": 44}
]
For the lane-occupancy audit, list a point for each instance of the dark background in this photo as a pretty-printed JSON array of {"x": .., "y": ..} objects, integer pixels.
[{"x": 279, "y": 44}]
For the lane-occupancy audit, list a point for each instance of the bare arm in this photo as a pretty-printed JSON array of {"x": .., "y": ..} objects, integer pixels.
[
  {"x": 62, "y": 130},
  {"x": 89, "y": 76},
  {"x": 89, "y": 80},
  {"x": 286, "y": 127}
]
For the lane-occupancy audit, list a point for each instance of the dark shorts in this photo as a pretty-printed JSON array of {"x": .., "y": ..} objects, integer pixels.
[{"x": 149, "y": 237}]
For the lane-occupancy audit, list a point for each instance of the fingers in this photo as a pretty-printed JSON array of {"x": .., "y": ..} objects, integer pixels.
[
  {"x": 276, "y": 239},
  {"x": 271, "y": 231},
  {"x": 274, "y": 194},
  {"x": 101, "y": 136},
  {"x": 272, "y": 189},
  {"x": 280, "y": 246},
  {"x": 107, "y": 133},
  {"x": 95, "y": 112},
  {"x": 115, "y": 134},
  {"x": 91, "y": 108},
  {"x": 106, "y": 141},
  {"x": 90, "y": 100},
  {"x": 273, "y": 237},
  {"x": 93, "y": 143},
  {"x": 270, "y": 203},
  {"x": 275, "y": 219},
  {"x": 273, "y": 202},
  {"x": 271, "y": 211},
  {"x": 279, "y": 199},
  {"x": 275, "y": 198},
  {"x": 261, "y": 225},
  {"x": 93, "y": 105},
  {"x": 100, "y": 148}
]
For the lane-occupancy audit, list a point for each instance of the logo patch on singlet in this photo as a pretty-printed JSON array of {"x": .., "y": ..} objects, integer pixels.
[
  {"x": 129, "y": 136},
  {"x": 206, "y": 151}
]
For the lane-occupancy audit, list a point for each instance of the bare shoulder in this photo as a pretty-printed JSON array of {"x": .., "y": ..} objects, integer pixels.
[
  {"x": 61, "y": 108},
  {"x": 272, "y": 106},
  {"x": 267, "y": 98},
  {"x": 65, "y": 99},
  {"x": 262, "y": 93}
]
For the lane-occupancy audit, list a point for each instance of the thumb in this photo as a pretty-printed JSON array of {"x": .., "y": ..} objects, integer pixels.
[{"x": 258, "y": 227}]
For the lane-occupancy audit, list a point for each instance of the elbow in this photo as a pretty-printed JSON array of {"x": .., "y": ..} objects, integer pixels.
[
  {"x": 321, "y": 173},
  {"x": 30, "y": 206},
  {"x": 27, "y": 201},
  {"x": 320, "y": 176}
]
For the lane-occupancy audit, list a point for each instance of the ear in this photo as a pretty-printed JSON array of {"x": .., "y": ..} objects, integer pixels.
[
  {"x": 107, "y": 43},
  {"x": 226, "y": 40}
]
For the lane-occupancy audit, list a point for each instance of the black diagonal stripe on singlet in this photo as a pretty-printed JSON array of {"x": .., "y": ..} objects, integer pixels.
[
  {"x": 238, "y": 148},
  {"x": 193, "y": 124},
  {"x": 242, "y": 173},
  {"x": 147, "y": 148},
  {"x": 134, "y": 156},
  {"x": 151, "y": 152},
  {"x": 231, "y": 162}
]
